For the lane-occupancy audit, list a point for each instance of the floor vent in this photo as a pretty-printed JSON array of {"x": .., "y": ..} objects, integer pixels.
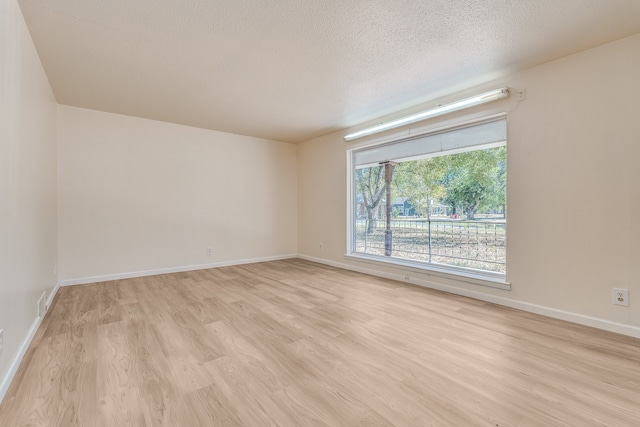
[{"x": 42, "y": 305}]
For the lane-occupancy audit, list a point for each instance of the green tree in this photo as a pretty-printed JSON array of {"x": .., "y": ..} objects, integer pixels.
[
  {"x": 370, "y": 185},
  {"x": 420, "y": 181},
  {"x": 476, "y": 179},
  {"x": 496, "y": 196}
]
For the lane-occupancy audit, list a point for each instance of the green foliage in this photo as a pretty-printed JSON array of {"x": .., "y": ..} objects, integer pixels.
[
  {"x": 370, "y": 185},
  {"x": 421, "y": 181},
  {"x": 476, "y": 180},
  {"x": 468, "y": 182}
]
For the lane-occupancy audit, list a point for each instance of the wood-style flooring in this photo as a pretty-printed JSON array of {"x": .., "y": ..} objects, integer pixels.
[{"x": 293, "y": 343}]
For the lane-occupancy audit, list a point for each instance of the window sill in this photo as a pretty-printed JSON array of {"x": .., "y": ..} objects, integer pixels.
[{"x": 492, "y": 280}]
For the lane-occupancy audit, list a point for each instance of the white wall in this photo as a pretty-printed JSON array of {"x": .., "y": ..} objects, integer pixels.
[
  {"x": 138, "y": 195},
  {"x": 573, "y": 189},
  {"x": 27, "y": 183}
]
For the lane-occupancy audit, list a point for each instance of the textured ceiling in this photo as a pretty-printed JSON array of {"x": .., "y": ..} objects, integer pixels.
[{"x": 291, "y": 69}]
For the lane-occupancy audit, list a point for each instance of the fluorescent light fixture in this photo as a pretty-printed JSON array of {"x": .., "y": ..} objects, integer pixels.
[{"x": 483, "y": 98}]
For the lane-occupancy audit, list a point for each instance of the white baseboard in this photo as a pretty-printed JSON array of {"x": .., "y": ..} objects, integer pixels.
[
  {"x": 180, "y": 269},
  {"x": 52, "y": 295},
  {"x": 581, "y": 319},
  {"x": 22, "y": 350},
  {"x": 15, "y": 363}
]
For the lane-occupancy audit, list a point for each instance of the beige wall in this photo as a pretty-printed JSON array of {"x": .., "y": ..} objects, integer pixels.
[
  {"x": 138, "y": 195},
  {"x": 573, "y": 188},
  {"x": 27, "y": 183}
]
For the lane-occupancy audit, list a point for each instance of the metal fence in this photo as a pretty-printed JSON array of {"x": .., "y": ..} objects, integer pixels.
[{"x": 471, "y": 244}]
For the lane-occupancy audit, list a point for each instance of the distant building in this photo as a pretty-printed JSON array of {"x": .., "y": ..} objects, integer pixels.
[
  {"x": 402, "y": 207},
  {"x": 399, "y": 207}
]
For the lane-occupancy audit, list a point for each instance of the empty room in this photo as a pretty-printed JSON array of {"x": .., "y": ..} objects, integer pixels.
[{"x": 329, "y": 213}]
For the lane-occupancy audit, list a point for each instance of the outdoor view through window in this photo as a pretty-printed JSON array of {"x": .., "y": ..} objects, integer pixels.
[{"x": 438, "y": 199}]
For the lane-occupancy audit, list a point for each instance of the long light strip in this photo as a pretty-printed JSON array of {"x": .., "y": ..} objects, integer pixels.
[{"x": 433, "y": 112}]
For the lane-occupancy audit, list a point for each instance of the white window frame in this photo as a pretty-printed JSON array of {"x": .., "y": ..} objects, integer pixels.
[{"x": 476, "y": 277}]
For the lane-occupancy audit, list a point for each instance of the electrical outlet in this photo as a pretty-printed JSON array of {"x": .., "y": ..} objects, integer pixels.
[
  {"x": 1, "y": 340},
  {"x": 621, "y": 297},
  {"x": 521, "y": 94},
  {"x": 209, "y": 251},
  {"x": 406, "y": 277},
  {"x": 322, "y": 246}
]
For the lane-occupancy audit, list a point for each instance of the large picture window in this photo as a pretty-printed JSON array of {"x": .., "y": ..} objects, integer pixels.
[{"x": 436, "y": 201}]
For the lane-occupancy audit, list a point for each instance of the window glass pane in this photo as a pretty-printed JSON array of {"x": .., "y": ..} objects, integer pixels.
[{"x": 447, "y": 209}]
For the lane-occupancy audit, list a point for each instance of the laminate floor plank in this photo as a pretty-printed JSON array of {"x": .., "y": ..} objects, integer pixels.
[
  {"x": 108, "y": 307},
  {"x": 265, "y": 323},
  {"x": 116, "y": 361},
  {"x": 210, "y": 407},
  {"x": 379, "y": 392},
  {"x": 248, "y": 394},
  {"x": 121, "y": 409},
  {"x": 235, "y": 345},
  {"x": 296, "y": 343}
]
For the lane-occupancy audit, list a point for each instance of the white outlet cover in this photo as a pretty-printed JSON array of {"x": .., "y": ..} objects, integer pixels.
[{"x": 620, "y": 297}]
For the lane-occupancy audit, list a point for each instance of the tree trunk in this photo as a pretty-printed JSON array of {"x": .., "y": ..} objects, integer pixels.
[
  {"x": 371, "y": 220},
  {"x": 471, "y": 211}
]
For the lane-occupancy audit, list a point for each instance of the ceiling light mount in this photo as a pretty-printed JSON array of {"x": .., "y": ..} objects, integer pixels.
[{"x": 462, "y": 104}]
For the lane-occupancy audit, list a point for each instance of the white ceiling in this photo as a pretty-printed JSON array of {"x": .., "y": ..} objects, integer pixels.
[{"x": 293, "y": 69}]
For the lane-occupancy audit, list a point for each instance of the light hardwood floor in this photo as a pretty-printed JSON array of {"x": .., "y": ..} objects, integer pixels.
[{"x": 293, "y": 343}]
